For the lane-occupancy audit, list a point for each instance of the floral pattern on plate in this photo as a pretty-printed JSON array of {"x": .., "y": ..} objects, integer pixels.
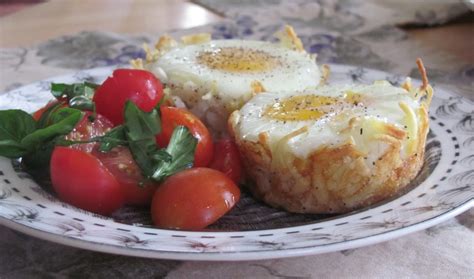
[{"x": 443, "y": 189}]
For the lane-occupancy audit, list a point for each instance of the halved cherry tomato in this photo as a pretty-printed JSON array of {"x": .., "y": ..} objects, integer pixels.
[
  {"x": 227, "y": 159},
  {"x": 120, "y": 163},
  {"x": 139, "y": 86},
  {"x": 91, "y": 125},
  {"x": 193, "y": 199},
  {"x": 82, "y": 180},
  {"x": 172, "y": 117}
]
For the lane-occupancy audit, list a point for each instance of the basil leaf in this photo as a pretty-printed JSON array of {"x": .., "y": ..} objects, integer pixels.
[
  {"x": 38, "y": 160},
  {"x": 78, "y": 95},
  {"x": 140, "y": 151},
  {"x": 161, "y": 155},
  {"x": 140, "y": 130},
  {"x": 45, "y": 117},
  {"x": 61, "y": 90},
  {"x": 11, "y": 149},
  {"x": 58, "y": 89},
  {"x": 62, "y": 121},
  {"x": 181, "y": 148},
  {"x": 141, "y": 125},
  {"x": 113, "y": 138},
  {"x": 14, "y": 126},
  {"x": 82, "y": 103}
]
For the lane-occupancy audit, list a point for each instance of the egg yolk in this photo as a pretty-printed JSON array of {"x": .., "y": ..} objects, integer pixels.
[
  {"x": 238, "y": 60},
  {"x": 309, "y": 107}
]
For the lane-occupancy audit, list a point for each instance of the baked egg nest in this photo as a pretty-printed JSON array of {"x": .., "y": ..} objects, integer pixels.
[
  {"x": 335, "y": 148},
  {"x": 215, "y": 77},
  {"x": 306, "y": 147}
]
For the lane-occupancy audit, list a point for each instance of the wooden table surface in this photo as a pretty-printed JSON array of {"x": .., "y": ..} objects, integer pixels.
[
  {"x": 59, "y": 17},
  {"x": 53, "y": 18}
]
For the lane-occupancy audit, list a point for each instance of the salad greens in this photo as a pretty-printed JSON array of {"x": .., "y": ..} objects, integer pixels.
[
  {"x": 181, "y": 150},
  {"x": 20, "y": 134},
  {"x": 33, "y": 141},
  {"x": 78, "y": 95},
  {"x": 139, "y": 131}
]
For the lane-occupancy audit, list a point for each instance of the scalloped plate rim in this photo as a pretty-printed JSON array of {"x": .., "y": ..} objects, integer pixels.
[
  {"x": 244, "y": 256},
  {"x": 240, "y": 255}
]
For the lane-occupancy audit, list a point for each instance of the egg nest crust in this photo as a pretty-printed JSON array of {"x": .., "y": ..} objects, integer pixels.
[{"x": 332, "y": 179}]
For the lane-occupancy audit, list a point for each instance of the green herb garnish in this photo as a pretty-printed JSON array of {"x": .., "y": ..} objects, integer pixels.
[
  {"x": 78, "y": 95},
  {"x": 141, "y": 129},
  {"x": 33, "y": 141}
]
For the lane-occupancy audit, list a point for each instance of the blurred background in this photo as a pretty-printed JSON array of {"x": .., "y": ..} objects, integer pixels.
[{"x": 386, "y": 34}]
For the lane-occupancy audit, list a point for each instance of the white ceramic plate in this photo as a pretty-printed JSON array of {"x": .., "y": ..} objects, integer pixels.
[{"x": 443, "y": 189}]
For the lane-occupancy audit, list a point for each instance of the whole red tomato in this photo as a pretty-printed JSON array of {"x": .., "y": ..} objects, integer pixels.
[
  {"x": 193, "y": 199},
  {"x": 172, "y": 117},
  {"x": 139, "y": 86},
  {"x": 227, "y": 159}
]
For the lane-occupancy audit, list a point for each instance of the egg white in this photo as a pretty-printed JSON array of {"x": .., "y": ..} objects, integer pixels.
[
  {"x": 380, "y": 104},
  {"x": 295, "y": 71}
]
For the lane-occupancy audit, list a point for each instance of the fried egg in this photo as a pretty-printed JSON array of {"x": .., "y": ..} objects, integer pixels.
[
  {"x": 215, "y": 77},
  {"x": 334, "y": 148}
]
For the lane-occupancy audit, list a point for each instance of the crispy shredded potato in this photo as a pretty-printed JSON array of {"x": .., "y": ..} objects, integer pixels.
[
  {"x": 257, "y": 87},
  {"x": 338, "y": 178},
  {"x": 165, "y": 43},
  {"x": 196, "y": 39},
  {"x": 137, "y": 64},
  {"x": 326, "y": 72},
  {"x": 290, "y": 39}
]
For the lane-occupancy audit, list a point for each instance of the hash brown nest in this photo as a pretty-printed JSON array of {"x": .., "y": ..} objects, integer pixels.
[{"x": 335, "y": 179}]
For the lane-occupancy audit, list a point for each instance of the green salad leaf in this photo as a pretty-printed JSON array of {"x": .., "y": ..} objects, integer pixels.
[
  {"x": 63, "y": 90},
  {"x": 34, "y": 141},
  {"x": 62, "y": 121},
  {"x": 112, "y": 138},
  {"x": 141, "y": 125},
  {"x": 181, "y": 148},
  {"x": 141, "y": 129},
  {"x": 14, "y": 126},
  {"x": 78, "y": 95}
]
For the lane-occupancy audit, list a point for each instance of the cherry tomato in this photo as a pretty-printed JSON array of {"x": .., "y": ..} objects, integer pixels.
[
  {"x": 88, "y": 127},
  {"x": 139, "y": 86},
  {"x": 227, "y": 159},
  {"x": 172, "y": 117},
  {"x": 83, "y": 181},
  {"x": 193, "y": 199},
  {"x": 120, "y": 163}
]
